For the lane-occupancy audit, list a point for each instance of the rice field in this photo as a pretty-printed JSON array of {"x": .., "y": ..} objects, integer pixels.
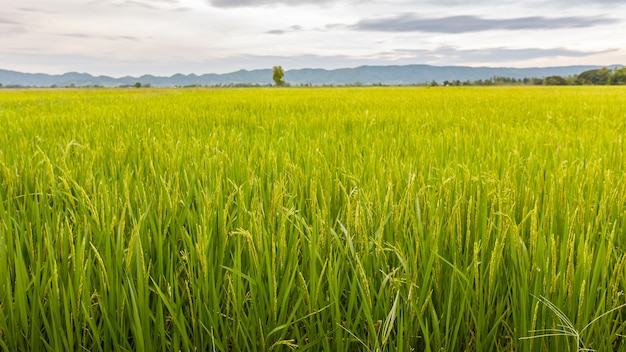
[{"x": 319, "y": 219}]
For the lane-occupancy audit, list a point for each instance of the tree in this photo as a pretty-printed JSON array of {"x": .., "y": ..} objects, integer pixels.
[
  {"x": 599, "y": 76},
  {"x": 278, "y": 76},
  {"x": 138, "y": 85},
  {"x": 554, "y": 81},
  {"x": 618, "y": 77}
]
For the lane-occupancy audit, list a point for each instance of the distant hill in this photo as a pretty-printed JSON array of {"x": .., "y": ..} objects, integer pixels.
[{"x": 366, "y": 75}]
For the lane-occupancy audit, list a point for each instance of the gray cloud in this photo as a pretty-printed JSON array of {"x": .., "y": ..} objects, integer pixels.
[
  {"x": 151, "y": 5},
  {"x": 32, "y": 10},
  {"x": 76, "y": 35},
  {"x": 453, "y": 55},
  {"x": 257, "y": 3},
  {"x": 410, "y": 22},
  {"x": 507, "y": 54},
  {"x": 594, "y": 2},
  {"x": 10, "y": 27},
  {"x": 89, "y": 36},
  {"x": 295, "y": 28},
  {"x": 535, "y": 3},
  {"x": 14, "y": 30},
  {"x": 9, "y": 22},
  {"x": 142, "y": 4}
]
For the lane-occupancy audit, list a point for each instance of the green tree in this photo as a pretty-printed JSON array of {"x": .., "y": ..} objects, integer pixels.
[
  {"x": 570, "y": 80},
  {"x": 138, "y": 85},
  {"x": 619, "y": 76},
  {"x": 278, "y": 76},
  {"x": 554, "y": 81},
  {"x": 599, "y": 76}
]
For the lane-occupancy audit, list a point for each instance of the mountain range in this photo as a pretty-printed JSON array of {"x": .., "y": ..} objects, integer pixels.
[{"x": 366, "y": 75}]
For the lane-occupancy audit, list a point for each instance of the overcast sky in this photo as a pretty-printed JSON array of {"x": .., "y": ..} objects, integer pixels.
[{"x": 163, "y": 37}]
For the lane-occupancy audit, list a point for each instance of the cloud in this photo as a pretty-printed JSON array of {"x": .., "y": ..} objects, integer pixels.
[
  {"x": 33, "y": 10},
  {"x": 257, "y": 3},
  {"x": 10, "y": 27},
  {"x": 410, "y": 22},
  {"x": 142, "y": 4},
  {"x": 441, "y": 3},
  {"x": 295, "y": 28},
  {"x": 9, "y": 22},
  {"x": 14, "y": 30},
  {"x": 449, "y": 55},
  {"x": 594, "y": 2},
  {"x": 109, "y": 37},
  {"x": 151, "y": 5},
  {"x": 536, "y": 3}
]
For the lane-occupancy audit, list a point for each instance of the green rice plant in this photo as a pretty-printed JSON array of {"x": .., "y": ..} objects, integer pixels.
[
  {"x": 566, "y": 327},
  {"x": 381, "y": 219}
]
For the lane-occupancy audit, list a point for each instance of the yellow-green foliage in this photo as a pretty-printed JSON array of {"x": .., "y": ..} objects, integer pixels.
[{"x": 330, "y": 219}]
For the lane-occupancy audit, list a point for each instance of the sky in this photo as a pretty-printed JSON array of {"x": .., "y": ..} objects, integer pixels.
[{"x": 164, "y": 37}]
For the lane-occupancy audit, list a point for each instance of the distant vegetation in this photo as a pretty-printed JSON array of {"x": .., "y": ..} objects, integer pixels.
[{"x": 602, "y": 76}]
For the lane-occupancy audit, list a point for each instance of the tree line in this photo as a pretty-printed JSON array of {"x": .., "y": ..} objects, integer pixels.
[{"x": 601, "y": 76}]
